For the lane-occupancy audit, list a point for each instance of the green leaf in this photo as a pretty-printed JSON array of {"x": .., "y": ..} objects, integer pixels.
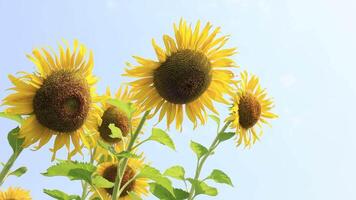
[
  {"x": 162, "y": 137},
  {"x": 160, "y": 192},
  {"x": 14, "y": 141},
  {"x": 199, "y": 149},
  {"x": 176, "y": 172},
  {"x": 203, "y": 188},
  {"x": 125, "y": 107},
  {"x": 115, "y": 131},
  {"x": 216, "y": 119},
  {"x": 220, "y": 177},
  {"x": 59, "y": 195},
  {"x": 180, "y": 194},
  {"x": 16, "y": 118},
  {"x": 134, "y": 196},
  {"x": 19, "y": 172},
  {"x": 126, "y": 154},
  {"x": 155, "y": 175},
  {"x": 72, "y": 169},
  {"x": 106, "y": 146},
  {"x": 225, "y": 136},
  {"x": 101, "y": 182}
]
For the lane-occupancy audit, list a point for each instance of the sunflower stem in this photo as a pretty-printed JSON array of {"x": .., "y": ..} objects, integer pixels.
[
  {"x": 201, "y": 161},
  {"x": 85, "y": 184},
  {"x": 122, "y": 167},
  {"x": 5, "y": 170}
]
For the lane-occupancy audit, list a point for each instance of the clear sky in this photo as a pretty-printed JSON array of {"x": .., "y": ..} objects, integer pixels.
[{"x": 303, "y": 50}]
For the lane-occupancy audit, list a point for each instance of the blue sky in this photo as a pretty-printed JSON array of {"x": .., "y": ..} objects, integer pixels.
[{"x": 302, "y": 50}]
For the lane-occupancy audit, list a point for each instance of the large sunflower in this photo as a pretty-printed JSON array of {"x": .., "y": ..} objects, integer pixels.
[
  {"x": 109, "y": 171},
  {"x": 250, "y": 108},
  {"x": 58, "y": 99},
  {"x": 189, "y": 75},
  {"x": 15, "y": 194}
]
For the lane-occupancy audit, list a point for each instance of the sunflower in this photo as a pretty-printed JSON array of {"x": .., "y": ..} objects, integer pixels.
[
  {"x": 250, "y": 107},
  {"x": 192, "y": 72},
  {"x": 15, "y": 194},
  {"x": 108, "y": 170},
  {"x": 59, "y": 99},
  {"x": 114, "y": 115}
]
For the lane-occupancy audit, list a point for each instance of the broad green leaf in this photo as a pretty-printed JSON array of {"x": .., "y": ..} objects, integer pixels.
[
  {"x": 180, "y": 194},
  {"x": 220, "y": 177},
  {"x": 199, "y": 149},
  {"x": 216, "y": 119},
  {"x": 115, "y": 131},
  {"x": 14, "y": 141},
  {"x": 59, "y": 195},
  {"x": 203, "y": 188},
  {"x": 16, "y": 118},
  {"x": 72, "y": 169},
  {"x": 125, "y": 107},
  {"x": 176, "y": 172},
  {"x": 101, "y": 182},
  {"x": 19, "y": 172},
  {"x": 162, "y": 137},
  {"x": 155, "y": 175},
  {"x": 134, "y": 196},
  {"x": 160, "y": 192},
  {"x": 225, "y": 136}
]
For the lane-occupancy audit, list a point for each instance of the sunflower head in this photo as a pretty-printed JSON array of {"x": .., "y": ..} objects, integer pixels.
[
  {"x": 250, "y": 108},
  {"x": 191, "y": 72},
  {"x": 108, "y": 170},
  {"x": 15, "y": 194},
  {"x": 58, "y": 99}
]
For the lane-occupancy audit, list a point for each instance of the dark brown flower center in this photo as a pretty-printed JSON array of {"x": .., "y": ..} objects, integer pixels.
[
  {"x": 249, "y": 111},
  {"x": 183, "y": 77},
  {"x": 113, "y": 115},
  {"x": 110, "y": 174},
  {"x": 63, "y": 101}
]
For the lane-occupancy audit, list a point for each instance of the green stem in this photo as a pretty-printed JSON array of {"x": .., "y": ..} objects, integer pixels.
[
  {"x": 85, "y": 184},
  {"x": 8, "y": 165},
  {"x": 201, "y": 162},
  {"x": 122, "y": 167}
]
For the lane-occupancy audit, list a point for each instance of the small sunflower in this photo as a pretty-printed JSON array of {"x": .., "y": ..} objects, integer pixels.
[
  {"x": 15, "y": 194},
  {"x": 59, "y": 99},
  {"x": 191, "y": 73},
  {"x": 138, "y": 186},
  {"x": 113, "y": 115},
  {"x": 250, "y": 107}
]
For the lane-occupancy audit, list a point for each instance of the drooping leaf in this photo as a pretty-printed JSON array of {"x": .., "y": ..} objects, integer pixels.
[
  {"x": 101, "y": 182},
  {"x": 180, "y": 194},
  {"x": 18, "y": 172},
  {"x": 125, "y": 107},
  {"x": 199, "y": 149},
  {"x": 220, "y": 177},
  {"x": 162, "y": 137},
  {"x": 225, "y": 136},
  {"x": 14, "y": 141},
  {"x": 59, "y": 195},
  {"x": 216, "y": 119},
  {"x": 202, "y": 188},
  {"x": 72, "y": 169},
  {"x": 16, "y": 118},
  {"x": 156, "y": 176},
  {"x": 160, "y": 192},
  {"x": 176, "y": 172},
  {"x": 115, "y": 131}
]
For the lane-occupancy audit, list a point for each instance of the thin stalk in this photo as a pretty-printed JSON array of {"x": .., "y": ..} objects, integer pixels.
[
  {"x": 8, "y": 165},
  {"x": 85, "y": 184},
  {"x": 201, "y": 162},
  {"x": 122, "y": 167}
]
